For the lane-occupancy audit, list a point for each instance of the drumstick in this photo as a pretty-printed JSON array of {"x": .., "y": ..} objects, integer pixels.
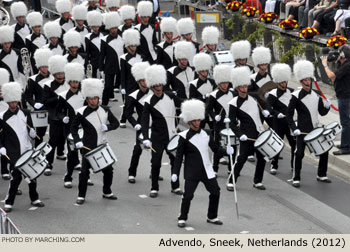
[
  {"x": 221, "y": 111},
  {"x": 87, "y": 148},
  {"x": 7, "y": 157},
  {"x": 152, "y": 149},
  {"x": 31, "y": 128},
  {"x": 303, "y": 133},
  {"x": 251, "y": 139}
]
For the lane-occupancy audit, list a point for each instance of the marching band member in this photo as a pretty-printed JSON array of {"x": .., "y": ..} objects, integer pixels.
[
  {"x": 4, "y": 78},
  {"x": 93, "y": 41},
  {"x": 94, "y": 121},
  {"x": 53, "y": 32},
  {"x": 165, "y": 49},
  {"x": 218, "y": 109},
  {"x": 64, "y": 7},
  {"x": 35, "y": 40},
  {"x": 180, "y": 76},
  {"x": 261, "y": 57},
  {"x": 240, "y": 51},
  {"x": 194, "y": 144},
  {"x": 308, "y": 104},
  {"x": 92, "y": 5},
  {"x": 160, "y": 107},
  {"x": 279, "y": 99},
  {"x": 147, "y": 31},
  {"x": 54, "y": 105},
  {"x": 127, "y": 14},
  {"x": 245, "y": 108},
  {"x": 72, "y": 42},
  {"x": 128, "y": 83},
  {"x": 17, "y": 129},
  {"x": 210, "y": 37},
  {"x": 156, "y": 10},
  {"x": 22, "y": 30},
  {"x": 201, "y": 87},
  {"x": 74, "y": 74},
  {"x": 112, "y": 47},
  {"x": 113, "y": 5},
  {"x": 136, "y": 101},
  {"x": 35, "y": 89},
  {"x": 185, "y": 27},
  {"x": 79, "y": 13}
]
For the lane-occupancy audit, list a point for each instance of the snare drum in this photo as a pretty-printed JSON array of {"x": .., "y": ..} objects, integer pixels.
[
  {"x": 223, "y": 57},
  {"x": 269, "y": 144},
  {"x": 29, "y": 167},
  {"x": 44, "y": 147},
  {"x": 317, "y": 142},
  {"x": 71, "y": 140},
  {"x": 101, "y": 157},
  {"x": 40, "y": 118},
  {"x": 329, "y": 135},
  {"x": 38, "y": 156},
  {"x": 172, "y": 145},
  {"x": 234, "y": 140},
  {"x": 335, "y": 127}
]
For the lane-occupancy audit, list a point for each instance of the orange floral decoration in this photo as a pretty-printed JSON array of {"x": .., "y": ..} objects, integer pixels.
[
  {"x": 308, "y": 32},
  {"x": 249, "y": 11},
  {"x": 288, "y": 24},
  {"x": 268, "y": 17},
  {"x": 234, "y": 6},
  {"x": 336, "y": 41}
]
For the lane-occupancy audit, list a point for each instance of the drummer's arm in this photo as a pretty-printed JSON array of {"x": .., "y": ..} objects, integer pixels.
[
  {"x": 271, "y": 99},
  {"x": 74, "y": 127},
  {"x": 290, "y": 113},
  {"x": 145, "y": 120},
  {"x": 179, "y": 156},
  {"x": 113, "y": 121},
  {"x": 321, "y": 108},
  {"x": 233, "y": 118},
  {"x": 129, "y": 110},
  {"x": 29, "y": 92}
]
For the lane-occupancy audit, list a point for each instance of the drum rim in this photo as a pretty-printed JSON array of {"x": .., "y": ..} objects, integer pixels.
[
  {"x": 311, "y": 139},
  {"x": 332, "y": 123},
  {"x": 326, "y": 130},
  {"x": 95, "y": 149},
  {"x": 17, "y": 166},
  {"x": 39, "y": 111},
  {"x": 43, "y": 146},
  {"x": 257, "y": 146}
]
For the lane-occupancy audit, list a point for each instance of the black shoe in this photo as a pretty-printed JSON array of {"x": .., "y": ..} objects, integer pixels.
[
  {"x": 80, "y": 200},
  {"x": 160, "y": 178},
  {"x": 8, "y": 208},
  {"x": 337, "y": 146},
  {"x": 230, "y": 187},
  {"x": 215, "y": 221},
  {"x": 177, "y": 191},
  {"x": 273, "y": 171},
  {"x": 38, "y": 203},
  {"x": 6, "y": 176},
  {"x": 251, "y": 158},
  {"x": 68, "y": 184},
  {"x": 61, "y": 157},
  {"x": 19, "y": 192},
  {"x": 259, "y": 186},
  {"x": 131, "y": 180},
  {"x": 296, "y": 184},
  {"x": 90, "y": 183},
  {"x": 341, "y": 152},
  {"x": 324, "y": 179},
  {"x": 122, "y": 125},
  {"x": 109, "y": 196},
  {"x": 181, "y": 223},
  {"x": 47, "y": 172},
  {"x": 153, "y": 194}
]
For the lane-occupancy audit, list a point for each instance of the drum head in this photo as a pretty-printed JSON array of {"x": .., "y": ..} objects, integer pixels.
[
  {"x": 332, "y": 125},
  {"x": 314, "y": 134},
  {"x": 174, "y": 142},
  {"x": 40, "y": 146},
  {"x": 262, "y": 138},
  {"x": 36, "y": 153},
  {"x": 224, "y": 132},
  {"x": 327, "y": 132},
  {"x": 24, "y": 158},
  {"x": 96, "y": 149}
]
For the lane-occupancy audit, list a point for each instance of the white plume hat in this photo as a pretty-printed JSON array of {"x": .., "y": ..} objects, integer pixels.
[
  {"x": 240, "y": 76},
  {"x": 185, "y": 26},
  {"x": 281, "y": 72},
  {"x": 202, "y": 62},
  {"x": 127, "y": 12},
  {"x": 79, "y": 12},
  {"x": 18, "y": 9},
  {"x": 303, "y": 69},
  {"x": 138, "y": 70},
  {"x": 111, "y": 20},
  {"x": 91, "y": 88},
  {"x": 145, "y": 8},
  {"x": 63, "y": 6},
  {"x": 222, "y": 73},
  {"x": 7, "y": 34},
  {"x": 240, "y": 49},
  {"x": 52, "y": 29},
  {"x": 168, "y": 24},
  {"x": 72, "y": 39},
  {"x": 112, "y": 3},
  {"x": 57, "y": 64},
  {"x": 183, "y": 50},
  {"x": 210, "y": 35},
  {"x": 261, "y": 55},
  {"x": 34, "y": 19},
  {"x": 94, "y": 18},
  {"x": 193, "y": 110},
  {"x": 155, "y": 75},
  {"x": 11, "y": 92},
  {"x": 131, "y": 37},
  {"x": 4, "y": 76},
  {"x": 74, "y": 72},
  {"x": 41, "y": 57}
]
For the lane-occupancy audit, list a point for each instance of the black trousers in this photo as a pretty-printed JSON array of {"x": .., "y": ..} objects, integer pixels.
[
  {"x": 214, "y": 195},
  {"x": 299, "y": 155},
  {"x": 57, "y": 139},
  {"x": 72, "y": 161},
  {"x": 156, "y": 163},
  {"x": 247, "y": 149},
  {"x": 4, "y": 165},
  {"x": 85, "y": 175},
  {"x": 14, "y": 184},
  {"x": 108, "y": 89},
  {"x": 135, "y": 158},
  {"x": 40, "y": 131},
  {"x": 282, "y": 129}
]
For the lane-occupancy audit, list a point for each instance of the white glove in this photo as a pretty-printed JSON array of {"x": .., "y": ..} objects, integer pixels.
[
  {"x": 123, "y": 92},
  {"x": 102, "y": 74},
  {"x": 243, "y": 138},
  {"x": 65, "y": 119},
  {"x": 229, "y": 150},
  {"x": 280, "y": 116},
  {"x": 204, "y": 97},
  {"x": 38, "y": 105},
  {"x": 227, "y": 120},
  {"x": 266, "y": 95},
  {"x": 147, "y": 143},
  {"x": 79, "y": 145},
  {"x": 137, "y": 127},
  {"x": 32, "y": 133},
  {"x": 217, "y": 118},
  {"x": 3, "y": 151},
  {"x": 296, "y": 132},
  {"x": 327, "y": 104},
  {"x": 104, "y": 127},
  {"x": 265, "y": 113},
  {"x": 174, "y": 178}
]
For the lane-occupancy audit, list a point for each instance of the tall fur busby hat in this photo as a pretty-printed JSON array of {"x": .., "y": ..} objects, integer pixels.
[
  {"x": 72, "y": 39},
  {"x": 210, "y": 35},
  {"x": 74, "y": 72},
  {"x": 94, "y": 18},
  {"x": 193, "y": 110},
  {"x": 222, "y": 73},
  {"x": 168, "y": 25},
  {"x": 138, "y": 70},
  {"x": 240, "y": 49},
  {"x": 91, "y": 88},
  {"x": 63, "y": 6},
  {"x": 183, "y": 50},
  {"x": 42, "y": 56},
  {"x": 185, "y": 26},
  {"x": 57, "y": 63},
  {"x": 52, "y": 29},
  {"x": 155, "y": 75},
  {"x": 11, "y": 92},
  {"x": 112, "y": 3},
  {"x": 131, "y": 37},
  {"x": 79, "y": 12},
  {"x": 7, "y": 34},
  {"x": 127, "y": 12},
  {"x": 261, "y": 55},
  {"x": 18, "y": 9},
  {"x": 111, "y": 20},
  {"x": 202, "y": 62},
  {"x": 4, "y": 76},
  {"x": 281, "y": 72},
  {"x": 303, "y": 69},
  {"x": 240, "y": 76},
  {"x": 34, "y": 19},
  {"x": 145, "y": 8}
]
